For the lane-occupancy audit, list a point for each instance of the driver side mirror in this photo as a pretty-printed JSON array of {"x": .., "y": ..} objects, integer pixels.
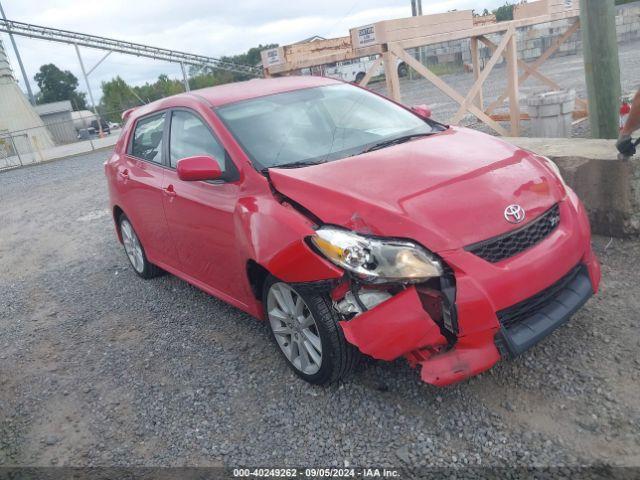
[
  {"x": 201, "y": 167},
  {"x": 422, "y": 111}
]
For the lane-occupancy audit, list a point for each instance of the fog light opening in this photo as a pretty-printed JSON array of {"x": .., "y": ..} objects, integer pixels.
[{"x": 358, "y": 300}]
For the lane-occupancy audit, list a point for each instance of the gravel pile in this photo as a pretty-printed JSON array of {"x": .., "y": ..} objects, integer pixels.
[{"x": 98, "y": 367}]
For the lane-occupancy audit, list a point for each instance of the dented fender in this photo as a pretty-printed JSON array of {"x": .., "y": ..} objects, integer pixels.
[
  {"x": 393, "y": 328},
  {"x": 274, "y": 236}
]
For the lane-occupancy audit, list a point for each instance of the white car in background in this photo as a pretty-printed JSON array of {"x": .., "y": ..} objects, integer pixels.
[{"x": 355, "y": 70}]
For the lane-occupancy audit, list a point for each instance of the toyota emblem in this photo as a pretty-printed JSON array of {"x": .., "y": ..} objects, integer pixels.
[{"x": 514, "y": 213}]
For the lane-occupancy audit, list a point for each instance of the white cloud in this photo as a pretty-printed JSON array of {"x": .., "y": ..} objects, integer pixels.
[{"x": 209, "y": 27}]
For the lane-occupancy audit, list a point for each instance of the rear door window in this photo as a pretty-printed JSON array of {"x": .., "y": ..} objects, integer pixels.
[{"x": 147, "y": 138}]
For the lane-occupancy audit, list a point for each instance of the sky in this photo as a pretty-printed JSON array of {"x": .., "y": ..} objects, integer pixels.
[{"x": 209, "y": 27}]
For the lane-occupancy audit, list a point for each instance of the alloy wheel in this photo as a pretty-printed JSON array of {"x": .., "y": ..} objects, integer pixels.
[
  {"x": 294, "y": 328},
  {"x": 132, "y": 246}
]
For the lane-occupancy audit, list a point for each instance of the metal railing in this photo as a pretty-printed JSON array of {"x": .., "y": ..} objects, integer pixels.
[
  {"x": 120, "y": 46},
  {"x": 56, "y": 139}
]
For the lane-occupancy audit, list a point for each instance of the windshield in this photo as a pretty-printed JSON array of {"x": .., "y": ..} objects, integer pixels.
[{"x": 317, "y": 125}]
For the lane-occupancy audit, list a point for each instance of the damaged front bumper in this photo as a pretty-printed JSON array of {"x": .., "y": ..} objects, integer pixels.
[
  {"x": 501, "y": 309},
  {"x": 386, "y": 334},
  {"x": 402, "y": 327}
]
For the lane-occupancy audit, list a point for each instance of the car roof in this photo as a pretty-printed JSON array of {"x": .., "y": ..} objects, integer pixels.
[{"x": 258, "y": 87}]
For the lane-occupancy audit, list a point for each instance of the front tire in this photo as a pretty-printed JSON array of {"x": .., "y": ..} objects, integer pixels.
[
  {"x": 305, "y": 328},
  {"x": 135, "y": 251}
]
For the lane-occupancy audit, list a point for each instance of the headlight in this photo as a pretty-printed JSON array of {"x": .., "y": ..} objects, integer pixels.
[{"x": 376, "y": 260}]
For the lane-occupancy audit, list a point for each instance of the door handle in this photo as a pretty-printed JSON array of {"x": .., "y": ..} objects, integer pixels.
[
  {"x": 169, "y": 191},
  {"x": 124, "y": 173}
]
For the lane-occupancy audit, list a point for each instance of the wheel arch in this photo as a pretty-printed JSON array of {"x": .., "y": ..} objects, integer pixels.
[
  {"x": 272, "y": 237},
  {"x": 257, "y": 276},
  {"x": 117, "y": 212}
]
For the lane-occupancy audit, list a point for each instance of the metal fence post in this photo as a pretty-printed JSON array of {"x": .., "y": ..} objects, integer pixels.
[
  {"x": 15, "y": 149},
  {"x": 86, "y": 81}
]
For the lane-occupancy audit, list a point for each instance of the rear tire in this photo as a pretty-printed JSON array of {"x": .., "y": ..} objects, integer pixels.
[
  {"x": 304, "y": 321},
  {"x": 135, "y": 251},
  {"x": 403, "y": 70},
  {"x": 359, "y": 77}
]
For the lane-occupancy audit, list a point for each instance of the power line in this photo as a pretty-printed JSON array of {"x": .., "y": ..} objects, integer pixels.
[{"x": 343, "y": 17}]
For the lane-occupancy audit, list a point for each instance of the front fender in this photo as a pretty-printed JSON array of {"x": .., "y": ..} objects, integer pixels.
[{"x": 274, "y": 236}]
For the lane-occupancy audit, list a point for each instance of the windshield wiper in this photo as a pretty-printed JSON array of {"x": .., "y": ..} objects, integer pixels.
[
  {"x": 302, "y": 163},
  {"x": 394, "y": 141}
]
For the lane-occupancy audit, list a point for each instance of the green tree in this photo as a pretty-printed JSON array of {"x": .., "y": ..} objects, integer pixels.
[
  {"x": 56, "y": 85},
  {"x": 210, "y": 78},
  {"x": 117, "y": 96},
  {"x": 504, "y": 12},
  {"x": 251, "y": 57},
  {"x": 163, "y": 87}
]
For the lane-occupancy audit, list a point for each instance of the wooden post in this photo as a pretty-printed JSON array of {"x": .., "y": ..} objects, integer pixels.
[
  {"x": 475, "y": 58},
  {"x": 373, "y": 69},
  {"x": 601, "y": 65},
  {"x": 512, "y": 83},
  {"x": 477, "y": 86},
  {"x": 532, "y": 68},
  {"x": 444, "y": 88},
  {"x": 391, "y": 75}
]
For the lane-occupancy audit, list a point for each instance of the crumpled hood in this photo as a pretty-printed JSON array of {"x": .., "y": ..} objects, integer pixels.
[{"x": 445, "y": 191}]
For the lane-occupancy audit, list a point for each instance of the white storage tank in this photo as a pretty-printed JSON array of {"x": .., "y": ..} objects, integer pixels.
[{"x": 21, "y": 128}]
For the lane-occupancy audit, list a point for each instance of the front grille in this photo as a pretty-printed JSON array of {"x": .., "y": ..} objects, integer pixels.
[
  {"x": 525, "y": 309},
  {"x": 510, "y": 244}
]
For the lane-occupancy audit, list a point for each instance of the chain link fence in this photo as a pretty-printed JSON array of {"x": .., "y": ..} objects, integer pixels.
[{"x": 79, "y": 133}]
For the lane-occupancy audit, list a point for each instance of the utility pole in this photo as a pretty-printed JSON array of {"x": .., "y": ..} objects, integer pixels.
[
  {"x": 24, "y": 72},
  {"x": 416, "y": 7},
  {"x": 601, "y": 65},
  {"x": 416, "y": 10}
]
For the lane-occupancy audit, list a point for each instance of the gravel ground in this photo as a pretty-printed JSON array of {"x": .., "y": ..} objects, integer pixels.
[
  {"x": 99, "y": 367},
  {"x": 567, "y": 71}
]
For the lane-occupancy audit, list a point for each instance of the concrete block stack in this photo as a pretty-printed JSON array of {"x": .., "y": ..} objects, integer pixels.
[
  {"x": 551, "y": 113},
  {"x": 628, "y": 22},
  {"x": 534, "y": 40}
]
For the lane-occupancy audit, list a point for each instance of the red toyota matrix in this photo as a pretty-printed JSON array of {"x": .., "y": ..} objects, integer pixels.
[{"x": 352, "y": 225}]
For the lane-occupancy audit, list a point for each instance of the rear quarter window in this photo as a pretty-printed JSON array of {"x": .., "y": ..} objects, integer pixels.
[{"x": 146, "y": 141}]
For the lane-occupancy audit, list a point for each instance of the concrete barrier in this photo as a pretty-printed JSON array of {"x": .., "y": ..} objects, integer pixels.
[
  {"x": 609, "y": 188},
  {"x": 552, "y": 113}
]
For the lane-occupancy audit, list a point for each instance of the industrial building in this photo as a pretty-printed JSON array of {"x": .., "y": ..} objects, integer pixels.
[{"x": 57, "y": 116}]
